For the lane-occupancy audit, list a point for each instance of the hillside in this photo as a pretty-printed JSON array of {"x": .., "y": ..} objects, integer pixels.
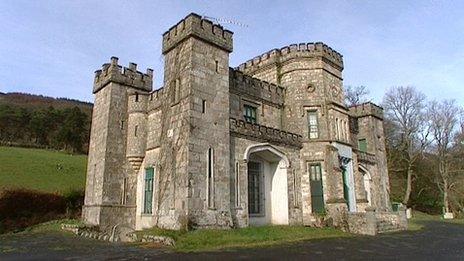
[
  {"x": 33, "y": 101},
  {"x": 28, "y": 120},
  {"x": 44, "y": 170}
]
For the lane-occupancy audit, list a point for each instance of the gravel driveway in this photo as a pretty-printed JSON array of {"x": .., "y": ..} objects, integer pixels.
[{"x": 436, "y": 241}]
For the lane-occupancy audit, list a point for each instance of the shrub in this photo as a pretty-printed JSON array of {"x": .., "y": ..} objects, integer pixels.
[{"x": 21, "y": 208}]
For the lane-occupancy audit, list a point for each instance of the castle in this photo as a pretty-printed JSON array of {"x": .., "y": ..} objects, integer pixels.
[{"x": 268, "y": 142}]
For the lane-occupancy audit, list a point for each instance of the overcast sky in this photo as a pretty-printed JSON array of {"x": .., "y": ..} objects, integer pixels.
[{"x": 53, "y": 47}]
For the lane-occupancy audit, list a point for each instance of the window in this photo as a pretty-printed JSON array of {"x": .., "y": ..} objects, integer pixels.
[
  {"x": 136, "y": 97},
  {"x": 317, "y": 191},
  {"x": 313, "y": 125},
  {"x": 203, "y": 106},
  {"x": 135, "y": 130},
  {"x": 250, "y": 114},
  {"x": 210, "y": 180},
  {"x": 362, "y": 145},
  {"x": 217, "y": 66},
  {"x": 176, "y": 91},
  {"x": 124, "y": 191},
  {"x": 148, "y": 195},
  {"x": 295, "y": 192},
  {"x": 336, "y": 129},
  {"x": 255, "y": 189},
  {"x": 237, "y": 184},
  {"x": 315, "y": 171}
]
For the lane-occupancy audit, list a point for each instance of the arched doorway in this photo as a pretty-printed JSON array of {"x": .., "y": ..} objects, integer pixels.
[
  {"x": 267, "y": 185},
  {"x": 367, "y": 180}
]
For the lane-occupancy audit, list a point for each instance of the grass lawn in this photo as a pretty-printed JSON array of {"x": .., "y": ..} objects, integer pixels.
[
  {"x": 44, "y": 170},
  {"x": 415, "y": 223},
  {"x": 212, "y": 239}
]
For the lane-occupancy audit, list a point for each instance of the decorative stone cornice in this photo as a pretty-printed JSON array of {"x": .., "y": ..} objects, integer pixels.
[
  {"x": 366, "y": 157},
  {"x": 265, "y": 134}
]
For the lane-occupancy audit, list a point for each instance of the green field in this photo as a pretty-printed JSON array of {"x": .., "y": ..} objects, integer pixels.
[{"x": 43, "y": 170}]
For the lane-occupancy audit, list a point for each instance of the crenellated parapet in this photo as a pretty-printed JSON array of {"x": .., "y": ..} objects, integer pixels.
[
  {"x": 242, "y": 84},
  {"x": 367, "y": 109},
  {"x": 156, "y": 98},
  {"x": 203, "y": 29},
  {"x": 283, "y": 54},
  {"x": 127, "y": 76},
  {"x": 262, "y": 133}
]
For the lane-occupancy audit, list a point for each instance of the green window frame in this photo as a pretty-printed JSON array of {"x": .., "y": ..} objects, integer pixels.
[
  {"x": 255, "y": 189},
  {"x": 313, "y": 126},
  {"x": 317, "y": 188},
  {"x": 250, "y": 114},
  {"x": 148, "y": 191},
  {"x": 362, "y": 145}
]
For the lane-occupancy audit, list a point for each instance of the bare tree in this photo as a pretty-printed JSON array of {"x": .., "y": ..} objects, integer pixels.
[
  {"x": 405, "y": 109},
  {"x": 444, "y": 117},
  {"x": 355, "y": 95}
]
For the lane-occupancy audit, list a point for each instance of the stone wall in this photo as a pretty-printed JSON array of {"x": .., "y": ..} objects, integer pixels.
[
  {"x": 199, "y": 107},
  {"x": 110, "y": 190},
  {"x": 372, "y": 222}
]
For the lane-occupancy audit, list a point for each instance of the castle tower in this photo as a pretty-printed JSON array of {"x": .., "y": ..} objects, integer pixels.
[
  {"x": 311, "y": 74},
  {"x": 195, "y": 121},
  {"x": 373, "y": 155},
  {"x": 110, "y": 185}
]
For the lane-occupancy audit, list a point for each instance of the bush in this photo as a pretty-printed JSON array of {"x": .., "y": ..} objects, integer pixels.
[{"x": 21, "y": 208}]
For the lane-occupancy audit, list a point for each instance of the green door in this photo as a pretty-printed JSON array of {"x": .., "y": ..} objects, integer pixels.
[{"x": 317, "y": 191}]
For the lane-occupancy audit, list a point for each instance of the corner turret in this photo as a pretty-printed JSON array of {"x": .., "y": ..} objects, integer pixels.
[{"x": 128, "y": 76}]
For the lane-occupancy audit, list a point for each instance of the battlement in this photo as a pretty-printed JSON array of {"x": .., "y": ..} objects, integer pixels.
[
  {"x": 203, "y": 29},
  {"x": 265, "y": 134},
  {"x": 241, "y": 83},
  {"x": 155, "y": 99},
  {"x": 128, "y": 76},
  {"x": 366, "y": 109},
  {"x": 300, "y": 50}
]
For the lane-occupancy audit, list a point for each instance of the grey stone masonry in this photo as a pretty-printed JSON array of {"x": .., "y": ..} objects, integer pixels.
[
  {"x": 193, "y": 25},
  {"x": 128, "y": 76},
  {"x": 269, "y": 142}
]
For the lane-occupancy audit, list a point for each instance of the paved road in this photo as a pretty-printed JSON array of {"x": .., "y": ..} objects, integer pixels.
[{"x": 438, "y": 241}]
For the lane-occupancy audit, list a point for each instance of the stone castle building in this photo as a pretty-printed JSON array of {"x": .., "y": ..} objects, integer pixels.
[{"x": 268, "y": 142}]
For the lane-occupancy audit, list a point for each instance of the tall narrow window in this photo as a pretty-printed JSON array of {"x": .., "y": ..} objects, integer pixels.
[
  {"x": 237, "y": 184},
  {"x": 255, "y": 189},
  {"x": 203, "y": 106},
  {"x": 317, "y": 192},
  {"x": 136, "y": 97},
  {"x": 210, "y": 180},
  {"x": 124, "y": 191},
  {"x": 362, "y": 145},
  {"x": 178, "y": 89},
  {"x": 135, "y": 130},
  {"x": 295, "y": 192},
  {"x": 250, "y": 114},
  {"x": 336, "y": 128},
  {"x": 313, "y": 125},
  {"x": 347, "y": 130},
  {"x": 148, "y": 195},
  {"x": 217, "y": 66}
]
